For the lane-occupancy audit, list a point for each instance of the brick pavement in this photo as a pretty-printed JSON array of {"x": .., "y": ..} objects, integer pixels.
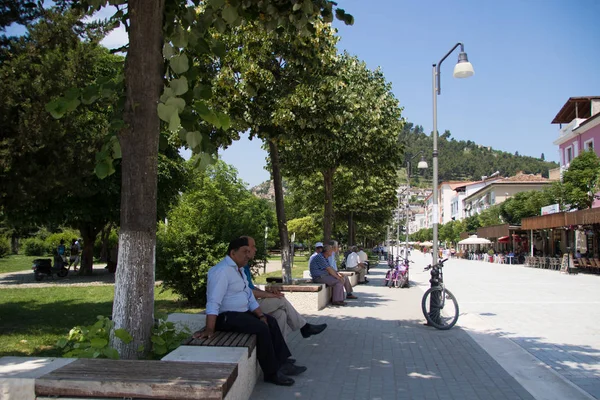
[
  {"x": 378, "y": 348},
  {"x": 551, "y": 316}
]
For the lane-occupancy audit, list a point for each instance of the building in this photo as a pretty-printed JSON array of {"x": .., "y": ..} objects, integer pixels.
[
  {"x": 579, "y": 129},
  {"x": 499, "y": 190}
]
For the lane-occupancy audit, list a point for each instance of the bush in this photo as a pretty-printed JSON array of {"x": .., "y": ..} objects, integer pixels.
[
  {"x": 35, "y": 247},
  {"x": 4, "y": 246},
  {"x": 53, "y": 240}
]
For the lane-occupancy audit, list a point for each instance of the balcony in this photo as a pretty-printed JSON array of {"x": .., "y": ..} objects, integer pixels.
[{"x": 570, "y": 127}]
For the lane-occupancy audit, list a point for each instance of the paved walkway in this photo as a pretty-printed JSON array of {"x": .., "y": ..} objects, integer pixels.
[{"x": 378, "y": 348}]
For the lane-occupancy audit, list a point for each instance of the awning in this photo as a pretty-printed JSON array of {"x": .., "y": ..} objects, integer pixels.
[{"x": 503, "y": 239}]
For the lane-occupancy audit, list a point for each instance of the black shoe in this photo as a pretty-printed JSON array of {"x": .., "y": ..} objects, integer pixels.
[
  {"x": 280, "y": 379},
  {"x": 308, "y": 329},
  {"x": 291, "y": 360},
  {"x": 366, "y": 280},
  {"x": 291, "y": 369}
]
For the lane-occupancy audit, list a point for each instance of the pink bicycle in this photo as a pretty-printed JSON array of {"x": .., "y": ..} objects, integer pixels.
[{"x": 397, "y": 275}]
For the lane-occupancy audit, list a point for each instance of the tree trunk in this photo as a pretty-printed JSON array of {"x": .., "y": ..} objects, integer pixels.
[
  {"x": 88, "y": 233},
  {"x": 286, "y": 269},
  {"x": 104, "y": 235},
  {"x": 133, "y": 306},
  {"x": 351, "y": 229},
  {"x": 14, "y": 243},
  {"x": 328, "y": 213}
]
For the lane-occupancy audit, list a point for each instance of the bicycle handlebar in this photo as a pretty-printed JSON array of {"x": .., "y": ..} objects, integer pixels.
[{"x": 439, "y": 264}]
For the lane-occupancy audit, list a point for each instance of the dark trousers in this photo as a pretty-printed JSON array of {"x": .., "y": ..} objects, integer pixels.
[{"x": 270, "y": 344}]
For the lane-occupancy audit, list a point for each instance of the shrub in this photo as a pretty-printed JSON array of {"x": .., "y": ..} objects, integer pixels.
[
  {"x": 53, "y": 240},
  {"x": 34, "y": 247},
  {"x": 113, "y": 239},
  {"x": 4, "y": 246}
]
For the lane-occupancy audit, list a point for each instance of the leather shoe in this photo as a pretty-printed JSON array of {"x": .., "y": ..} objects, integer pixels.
[
  {"x": 351, "y": 296},
  {"x": 308, "y": 329},
  {"x": 279, "y": 379},
  {"x": 339, "y": 303},
  {"x": 291, "y": 369},
  {"x": 291, "y": 360}
]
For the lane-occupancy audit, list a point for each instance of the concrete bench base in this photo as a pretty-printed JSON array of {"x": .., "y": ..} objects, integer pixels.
[
  {"x": 307, "y": 297},
  {"x": 248, "y": 369}
]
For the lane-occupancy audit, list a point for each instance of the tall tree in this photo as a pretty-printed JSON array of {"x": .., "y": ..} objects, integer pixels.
[
  {"x": 349, "y": 118},
  {"x": 172, "y": 26}
]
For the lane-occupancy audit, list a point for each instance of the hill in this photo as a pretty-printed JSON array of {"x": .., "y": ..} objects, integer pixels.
[{"x": 467, "y": 160}]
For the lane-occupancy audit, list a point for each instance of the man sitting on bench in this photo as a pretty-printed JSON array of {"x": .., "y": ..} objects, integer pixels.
[
  {"x": 274, "y": 303},
  {"x": 231, "y": 307},
  {"x": 321, "y": 272}
]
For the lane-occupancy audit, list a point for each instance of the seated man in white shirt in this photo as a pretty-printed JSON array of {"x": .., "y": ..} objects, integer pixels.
[
  {"x": 363, "y": 257},
  {"x": 353, "y": 264},
  {"x": 232, "y": 307}
]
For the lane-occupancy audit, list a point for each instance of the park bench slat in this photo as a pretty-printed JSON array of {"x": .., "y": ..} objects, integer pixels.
[
  {"x": 227, "y": 339},
  {"x": 139, "y": 379}
]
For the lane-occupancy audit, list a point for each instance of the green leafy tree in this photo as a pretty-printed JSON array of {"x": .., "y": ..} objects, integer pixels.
[
  {"x": 348, "y": 118},
  {"x": 306, "y": 229},
  {"x": 490, "y": 216},
  {"x": 215, "y": 209},
  {"x": 524, "y": 204},
  {"x": 581, "y": 180},
  {"x": 162, "y": 37}
]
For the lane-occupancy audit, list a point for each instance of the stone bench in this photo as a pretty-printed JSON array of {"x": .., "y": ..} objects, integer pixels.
[
  {"x": 29, "y": 378},
  {"x": 306, "y": 297}
]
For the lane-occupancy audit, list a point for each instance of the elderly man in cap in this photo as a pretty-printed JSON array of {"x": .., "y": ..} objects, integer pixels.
[
  {"x": 354, "y": 264},
  {"x": 322, "y": 272}
]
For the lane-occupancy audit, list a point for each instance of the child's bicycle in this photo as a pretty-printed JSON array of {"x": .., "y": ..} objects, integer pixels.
[{"x": 397, "y": 275}]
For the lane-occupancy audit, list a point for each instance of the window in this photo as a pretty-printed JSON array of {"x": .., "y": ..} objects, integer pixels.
[
  {"x": 493, "y": 198},
  {"x": 568, "y": 155},
  {"x": 588, "y": 145}
]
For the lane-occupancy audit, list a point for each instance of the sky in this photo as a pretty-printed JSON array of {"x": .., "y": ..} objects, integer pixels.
[{"x": 529, "y": 57}]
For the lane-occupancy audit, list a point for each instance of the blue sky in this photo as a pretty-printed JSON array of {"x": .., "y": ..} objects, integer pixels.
[{"x": 529, "y": 57}]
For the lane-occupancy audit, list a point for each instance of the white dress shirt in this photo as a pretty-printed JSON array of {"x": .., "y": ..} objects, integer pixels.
[{"x": 227, "y": 289}]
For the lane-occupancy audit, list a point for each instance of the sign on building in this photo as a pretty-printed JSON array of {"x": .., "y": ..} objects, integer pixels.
[{"x": 551, "y": 209}]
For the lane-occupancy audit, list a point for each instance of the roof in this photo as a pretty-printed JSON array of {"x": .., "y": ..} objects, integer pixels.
[
  {"x": 522, "y": 178},
  {"x": 567, "y": 112}
]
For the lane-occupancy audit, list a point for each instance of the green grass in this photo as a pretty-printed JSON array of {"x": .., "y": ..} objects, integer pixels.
[
  {"x": 300, "y": 264},
  {"x": 15, "y": 263},
  {"x": 32, "y": 320}
]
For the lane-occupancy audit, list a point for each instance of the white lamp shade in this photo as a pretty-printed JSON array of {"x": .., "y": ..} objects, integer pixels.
[
  {"x": 422, "y": 165},
  {"x": 463, "y": 70}
]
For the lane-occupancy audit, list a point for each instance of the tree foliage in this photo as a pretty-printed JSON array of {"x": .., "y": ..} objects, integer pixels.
[
  {"x": 581, "y": 180},
  {"x": 215, "y": 209}
]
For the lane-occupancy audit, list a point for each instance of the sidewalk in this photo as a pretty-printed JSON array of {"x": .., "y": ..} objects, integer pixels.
[{"x": 378, "y": 348}]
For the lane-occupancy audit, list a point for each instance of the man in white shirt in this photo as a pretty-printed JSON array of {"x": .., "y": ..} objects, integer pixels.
[
  {"x": 353, "y": 264},
  {"x": 232, "y": 307},
  {"x": 363, "y": 258}
]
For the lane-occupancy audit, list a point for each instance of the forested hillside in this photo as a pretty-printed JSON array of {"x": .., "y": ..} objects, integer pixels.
[{"x": 467, "y": 160}]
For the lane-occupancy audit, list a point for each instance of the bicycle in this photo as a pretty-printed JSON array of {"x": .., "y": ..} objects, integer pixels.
[
  {"x": 439, "y": 305},
  {"x": 397, "y": 275}
]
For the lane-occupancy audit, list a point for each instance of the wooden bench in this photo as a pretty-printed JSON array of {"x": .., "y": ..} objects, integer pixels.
[
  {"x": 101, "y": 378},
  {"x": 225, "y": 339}
]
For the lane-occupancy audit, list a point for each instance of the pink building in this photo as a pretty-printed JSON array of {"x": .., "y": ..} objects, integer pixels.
[{"x": 579, "y": 121}]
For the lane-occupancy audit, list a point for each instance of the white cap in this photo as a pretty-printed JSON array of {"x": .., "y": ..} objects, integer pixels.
[{"x": 318, "y": 244}]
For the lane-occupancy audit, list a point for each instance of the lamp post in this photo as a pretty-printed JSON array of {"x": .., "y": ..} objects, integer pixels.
[
  {"x": 421, "y": 165},
  {"x": 266, "y": 236},
  {"x": 462, "y": 69}
]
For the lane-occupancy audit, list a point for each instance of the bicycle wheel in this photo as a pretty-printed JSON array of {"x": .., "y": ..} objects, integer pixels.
[
  {"x": 441, "y": 313},
  {"x": 387, "y": 278}
]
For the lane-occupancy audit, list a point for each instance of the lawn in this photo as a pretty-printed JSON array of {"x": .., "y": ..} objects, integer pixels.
[
  {"x": 300, "y": 264},
  {"x": 15, "y": 263},
  {"x": 32, "y": 320}
]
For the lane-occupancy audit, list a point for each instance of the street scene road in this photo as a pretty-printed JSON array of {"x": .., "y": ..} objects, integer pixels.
[{"x": 523, "y": 334}]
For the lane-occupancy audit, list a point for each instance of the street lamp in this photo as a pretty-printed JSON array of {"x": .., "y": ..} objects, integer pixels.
[
  {"x": 421, "y": 165},
  {"x": 462, "y": 69}
]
